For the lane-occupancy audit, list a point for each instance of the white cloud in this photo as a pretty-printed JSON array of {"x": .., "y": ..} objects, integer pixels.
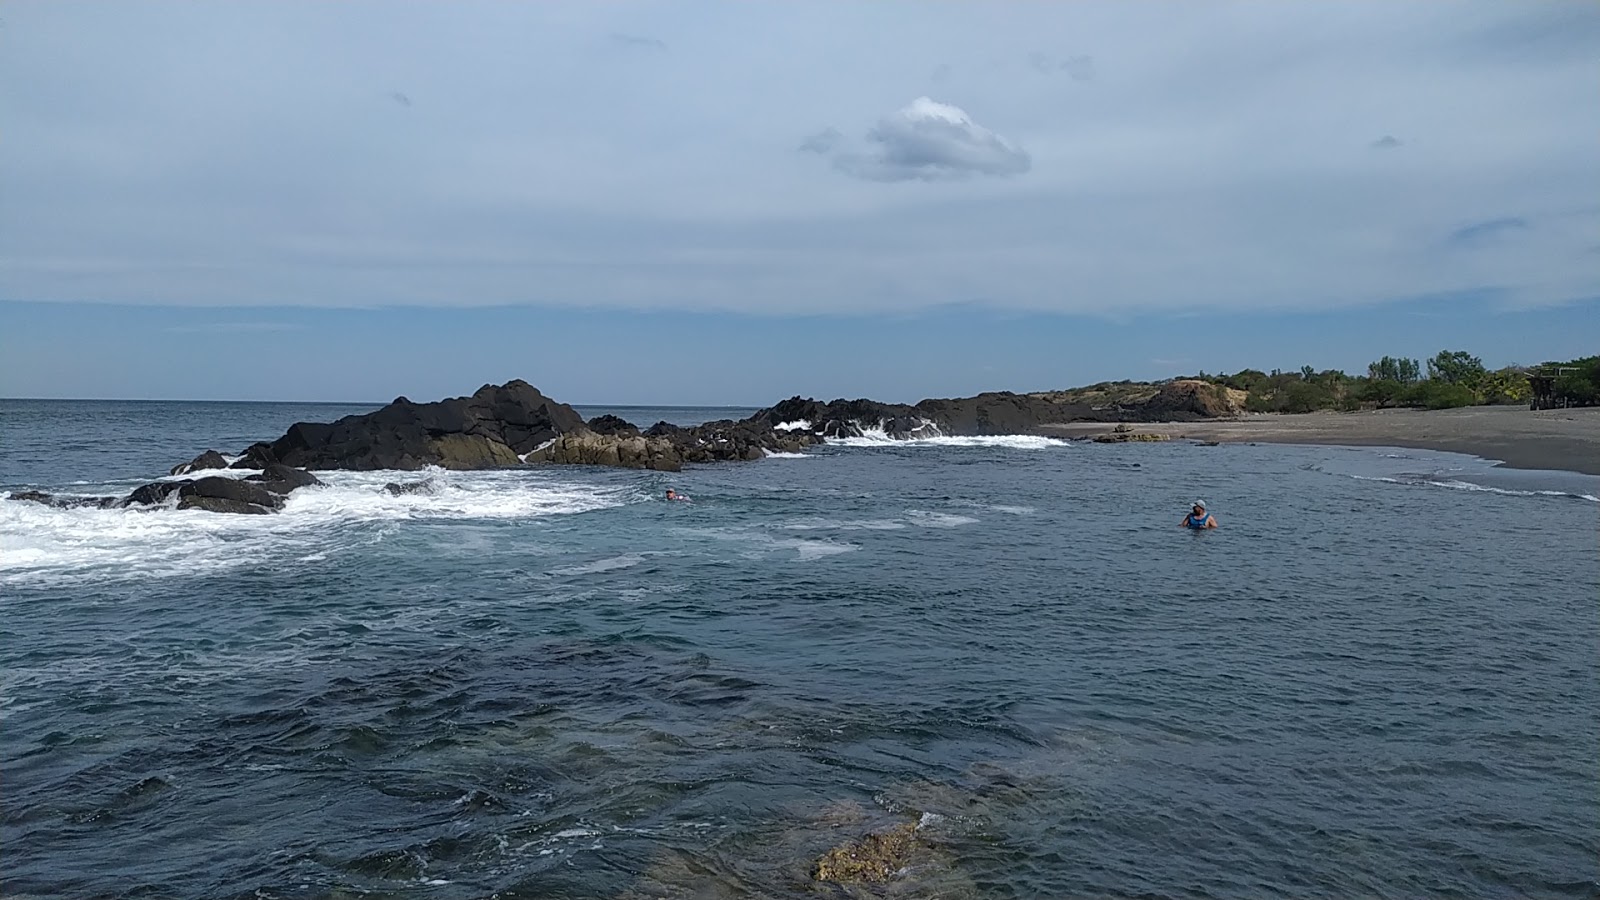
[{"x": 932, "y": 141}]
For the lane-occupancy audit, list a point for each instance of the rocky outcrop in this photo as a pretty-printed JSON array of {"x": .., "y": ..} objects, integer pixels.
[
  {"x": 629, "y": 451},
  {"x": 260, "y": 493},
  {"x": 281, "y": 479},
  {"x": 54, "y": 502},
  {"x": 494, "y": 427},
  {"x": 154, "y": 493},
  {"x": 238, "y": 493},
  {"x": 210, "y": 459},
  {"x": 611, "y": 425},
  {"x": 402, "y": 488}
]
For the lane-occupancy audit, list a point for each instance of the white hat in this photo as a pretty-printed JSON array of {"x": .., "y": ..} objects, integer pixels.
[{"x": 1200, "y": 503}]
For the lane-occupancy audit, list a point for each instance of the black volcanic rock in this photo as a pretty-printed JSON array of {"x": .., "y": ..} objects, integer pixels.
[
  {"x": 222, "y": 505},
  {"x": 54, "y": 502},
  {"x": 210, "y": 459},
  {"x": 237, "y": 491},
  {"x": 491, "y": 428},
  {"x": 281, "y": 479},
  {"x": 256, "y": 456},
  {"x": 609, "y": 424},
  {"x": 153, "y": 493}
]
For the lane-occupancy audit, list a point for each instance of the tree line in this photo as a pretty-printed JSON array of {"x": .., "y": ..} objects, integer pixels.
[{"x": 1453, "y": 378}]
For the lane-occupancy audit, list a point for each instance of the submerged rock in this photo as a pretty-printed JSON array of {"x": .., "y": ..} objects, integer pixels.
[
  {"x": 210, "y": 459},
  {"x": 877, "y": 857},
  {"x": 408, "y": 487},
  {"x": 54, "y": 502}
]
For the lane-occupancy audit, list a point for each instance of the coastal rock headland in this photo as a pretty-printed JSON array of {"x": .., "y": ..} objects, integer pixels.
[{"x": 514, "y": 424}]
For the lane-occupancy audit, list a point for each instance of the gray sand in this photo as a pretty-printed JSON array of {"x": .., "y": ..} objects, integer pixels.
[{"x": 1561, "y": 439}]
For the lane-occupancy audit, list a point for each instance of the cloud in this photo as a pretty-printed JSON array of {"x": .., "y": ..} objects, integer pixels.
[
  {"x": 638, "y": 41},
  {"x": 822, "y": 142},
  {"x": 932, "y": 141},
  {"x": 1387, "y": 142},
  {"x": 1488, "y": 230}
]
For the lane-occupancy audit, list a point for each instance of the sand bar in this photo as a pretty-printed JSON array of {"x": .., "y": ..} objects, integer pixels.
[{"x": 1559, "y": 439}]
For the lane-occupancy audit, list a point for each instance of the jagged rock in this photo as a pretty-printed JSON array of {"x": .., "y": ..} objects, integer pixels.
[
  {"x": 256, "y": 456},
  {"x": 875, "y": 858},
  {"x": 222, "y": 505},
  {"x": 489, "y": 429},
  {"x": 154, "y": 493},
  {"x": 215, "y": 487},
  {"x": 281, "y": 479},
  {"x": 409, "y": 487},
  {"x": 51, "y": 500},
  {"x": 626, "y": 451},
  {"x": 210, "y": 459},
  {"x": 609, "y": 424}
]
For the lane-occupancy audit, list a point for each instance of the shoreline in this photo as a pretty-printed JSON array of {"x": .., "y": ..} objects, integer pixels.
[{"x": 1566, "y": 440}]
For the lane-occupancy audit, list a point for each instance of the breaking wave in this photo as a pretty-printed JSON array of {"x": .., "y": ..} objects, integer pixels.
[
  {"x": 1457, "y": 485},
  {"x": 40, "y": 542},
  {"x": 877, "y": 437}
]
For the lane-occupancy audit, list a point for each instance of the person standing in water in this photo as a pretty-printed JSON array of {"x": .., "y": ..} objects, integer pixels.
[{"x": 1198, "y": 519}]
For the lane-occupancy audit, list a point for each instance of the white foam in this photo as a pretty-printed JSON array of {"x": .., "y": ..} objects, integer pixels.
[
  {"x": 877, "y": 437},
  {"x": 779, "y": 454},
  {"x": 610, "y": 564},
  {"x": 42, "y": 543},
  {"x": 1456, "y": 485},
  {"x": 796, "y": 425},
  {"x": 937, "y": 519}
]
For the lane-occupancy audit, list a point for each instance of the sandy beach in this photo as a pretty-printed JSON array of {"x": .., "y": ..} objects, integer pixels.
[{"x": 1561, "y": 439}]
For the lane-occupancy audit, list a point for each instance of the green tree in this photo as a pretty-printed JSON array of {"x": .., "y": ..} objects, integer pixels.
[
  {"x": 1457, "y": 367},
  {"x": 1402, "y": 371}
]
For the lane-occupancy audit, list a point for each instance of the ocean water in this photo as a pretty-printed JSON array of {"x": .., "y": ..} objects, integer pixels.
[{"x": 1378, "y": 678}]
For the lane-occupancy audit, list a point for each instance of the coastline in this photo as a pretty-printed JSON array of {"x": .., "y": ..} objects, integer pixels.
[{"x": 1518, "y": 438}]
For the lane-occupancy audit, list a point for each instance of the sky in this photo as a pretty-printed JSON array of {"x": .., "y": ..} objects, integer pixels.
[{"x": 721, "y": 203}]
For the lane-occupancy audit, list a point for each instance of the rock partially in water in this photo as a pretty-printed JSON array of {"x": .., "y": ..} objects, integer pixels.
[
  {"x": 154, "y": 493},
  {"x": 401, "y": 488},
  {"x": 51, "y": 500},
  {"x": 875, "y": 858},
  {"x": 486, "y": 430},
  {"x": 210, "y": 459},
  {"x": 222, "y": 505},
  {"x": 622, "y": 450},
  {"x": 207, "y": 493},
  {"x": 281, "y": 479}
]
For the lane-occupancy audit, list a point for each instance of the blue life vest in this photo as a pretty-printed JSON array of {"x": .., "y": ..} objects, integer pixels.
[{"x": 1201, "y": 522}]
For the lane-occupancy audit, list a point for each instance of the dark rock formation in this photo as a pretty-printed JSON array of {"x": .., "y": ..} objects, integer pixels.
[
  {"x": 234, "y": 490},
  {"x": 409, "y": 487},
  {"x": 153, "y": 493},
  {"x": 51, "y": 500},
  {"x": 612, "y": 425},
  {"x": 256, "y": 456},
  {"x": 491, "y": 428},
  {"x": 210, "y": 459},
  {"x": 222, "y": 505},
  {"x": 281, "y": 479},
  {"x": 627, "y": 451}
]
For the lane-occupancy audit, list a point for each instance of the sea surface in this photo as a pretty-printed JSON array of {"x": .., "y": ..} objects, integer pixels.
[{"x": 1378, "y": 678}]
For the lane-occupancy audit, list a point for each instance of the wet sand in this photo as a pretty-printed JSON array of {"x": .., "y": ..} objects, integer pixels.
[{"x": 1559, "y": 439}]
